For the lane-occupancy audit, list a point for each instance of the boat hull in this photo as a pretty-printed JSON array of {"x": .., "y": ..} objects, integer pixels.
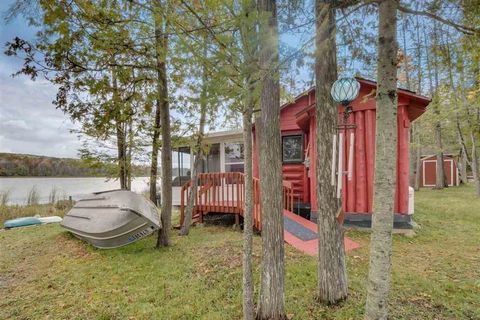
[{"x": 112, "y": 219}]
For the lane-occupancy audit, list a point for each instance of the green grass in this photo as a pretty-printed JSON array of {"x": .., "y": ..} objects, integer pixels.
[{"x": 45, "y": 273}]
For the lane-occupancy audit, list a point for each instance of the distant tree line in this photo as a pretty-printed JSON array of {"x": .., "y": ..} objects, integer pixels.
[{"x": 12, "y": 165}]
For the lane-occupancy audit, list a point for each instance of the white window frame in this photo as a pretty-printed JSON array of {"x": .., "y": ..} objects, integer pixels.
[{"x": 223, "y": 164}]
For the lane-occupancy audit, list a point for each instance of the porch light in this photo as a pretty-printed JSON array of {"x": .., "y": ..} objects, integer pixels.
[{"x": 345, "y": 90}]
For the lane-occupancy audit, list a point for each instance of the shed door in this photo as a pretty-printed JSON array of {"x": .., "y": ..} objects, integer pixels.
[{"x": 430, "y": 172}]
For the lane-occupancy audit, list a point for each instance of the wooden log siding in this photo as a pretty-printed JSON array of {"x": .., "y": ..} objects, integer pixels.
[
  {"x": 357, "y": 193},
  {"x": 224, "y": 192}
]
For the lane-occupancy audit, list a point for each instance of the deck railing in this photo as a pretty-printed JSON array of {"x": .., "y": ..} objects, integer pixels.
[{"x": 224, "y": 192}]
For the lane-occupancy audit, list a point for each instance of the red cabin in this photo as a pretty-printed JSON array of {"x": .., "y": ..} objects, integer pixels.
[
  {"x": 221, "y": 186},
  {"x": 297, "y": 120}
]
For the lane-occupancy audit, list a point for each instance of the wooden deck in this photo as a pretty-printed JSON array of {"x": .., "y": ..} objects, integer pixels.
[{"x": 224, "y": 192}]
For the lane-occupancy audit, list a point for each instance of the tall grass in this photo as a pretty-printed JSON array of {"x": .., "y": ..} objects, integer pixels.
[
  {"x": 58, "y": 205},
  {"x": 33, "y": 196},
  {"x": 53, "y": 196},
  {"x": 4, "y": 197},
  {"x": 17, "y": 211}
]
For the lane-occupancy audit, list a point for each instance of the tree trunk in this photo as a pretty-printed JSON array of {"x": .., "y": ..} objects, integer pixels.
[
  {"x": 249, "y": 46},
  {"x": 405, "y": 54},
  {"x": 457, "y": 90},
  {"x": 440, "y": 170},
  {"x": 121, "y": 155},
  {"x": 130, "y": 152},
  {"x": 198, "y": 154},
  {"x": 332, "y": 275},
  {"x": 192, "y": 195},
  {"x": 462, "y": 167},
  {"x": 154, "y": 160},
  {"x": 472, "y": 126},
  {"x": 475, "y": 164},
  {"x": 121, "y": 135},
  {"x": 416, "y": 133},
  {"x": 272, "y": 300},
  {"x": 161, "y": 49},
  {"x": 385, "y": 164},
  {"x": 464, "y": 158},
  {"x": 248, "y": 307}
]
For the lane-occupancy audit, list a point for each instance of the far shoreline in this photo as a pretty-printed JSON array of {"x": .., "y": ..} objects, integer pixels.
[
  {"x": 65, "y": 177},
  {"x": 89, "y": 177}
]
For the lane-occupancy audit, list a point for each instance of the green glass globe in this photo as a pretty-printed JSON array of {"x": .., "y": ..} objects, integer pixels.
[{"x": 345, "y": 90}]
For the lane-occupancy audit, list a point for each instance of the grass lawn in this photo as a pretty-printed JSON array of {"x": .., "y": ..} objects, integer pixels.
[{"x": 45, "y": 273}]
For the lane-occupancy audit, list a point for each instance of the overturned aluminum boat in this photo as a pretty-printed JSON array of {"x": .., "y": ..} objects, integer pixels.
[{"x": 112, "y": 219}]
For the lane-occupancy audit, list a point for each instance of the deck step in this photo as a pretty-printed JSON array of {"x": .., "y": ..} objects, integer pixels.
[
  {"x": 293, "y": 176},
  {"x": 295, "y": 168}
]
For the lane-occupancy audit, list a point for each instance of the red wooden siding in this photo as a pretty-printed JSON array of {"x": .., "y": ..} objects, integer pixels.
[
  {"x": 296, "y": 173},
  {"x": 370, "y": 123},
  {"x": 357, "y": 194},
  {"x": 288, "y": 114}
]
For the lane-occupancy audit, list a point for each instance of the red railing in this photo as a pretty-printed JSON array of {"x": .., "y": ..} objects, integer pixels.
[{"x": 224, "y": 192}]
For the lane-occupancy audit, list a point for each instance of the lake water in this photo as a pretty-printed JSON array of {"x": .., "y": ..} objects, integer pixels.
[{"x": 19, "y": 188}]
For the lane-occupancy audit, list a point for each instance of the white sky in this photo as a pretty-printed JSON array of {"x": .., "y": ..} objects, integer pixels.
[{"x": 29, "y": 122}]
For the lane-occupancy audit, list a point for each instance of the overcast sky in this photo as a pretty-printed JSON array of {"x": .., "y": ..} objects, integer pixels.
[{"x": 29, "y": 122}]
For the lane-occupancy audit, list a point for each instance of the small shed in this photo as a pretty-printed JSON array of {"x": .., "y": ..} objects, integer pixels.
[{"x": 428, "y": 173}]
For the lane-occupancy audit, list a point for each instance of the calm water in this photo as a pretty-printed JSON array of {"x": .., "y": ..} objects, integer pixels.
[{"x": 76, "y": 187}]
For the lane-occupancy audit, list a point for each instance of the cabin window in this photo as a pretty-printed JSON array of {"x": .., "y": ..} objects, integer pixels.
[
  {"x": 234, "y": 157},
  {"x": 211, "y": 162},
  {"x": 181, "y": 166},
  {"x": 292, "y": 149}
]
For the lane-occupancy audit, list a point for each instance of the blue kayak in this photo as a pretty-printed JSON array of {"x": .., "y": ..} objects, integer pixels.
[
  {"x": 30, "y": 221},
  {"x": 21, "y": 222}
]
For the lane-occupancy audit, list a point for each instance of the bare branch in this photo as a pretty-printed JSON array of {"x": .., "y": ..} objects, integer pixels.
[{"x": 462, "y": 28}]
